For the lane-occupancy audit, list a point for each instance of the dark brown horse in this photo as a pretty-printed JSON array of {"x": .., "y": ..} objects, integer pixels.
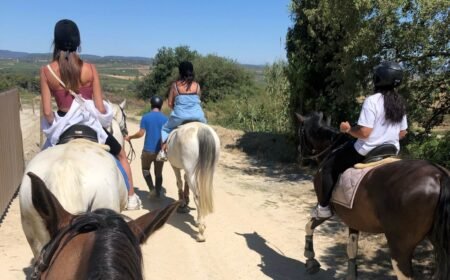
[
  {"x": 93, "y": 245},
  {"x": 407, "y": 200}
]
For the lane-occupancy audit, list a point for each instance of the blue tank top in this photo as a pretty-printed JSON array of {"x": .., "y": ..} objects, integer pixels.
[{"x": 188, "y": 106}]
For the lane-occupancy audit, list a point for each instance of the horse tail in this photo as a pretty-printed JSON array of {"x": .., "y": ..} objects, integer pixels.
[
  {"x": 441, "y": 229},
  {"x": 204, "y": 170}
]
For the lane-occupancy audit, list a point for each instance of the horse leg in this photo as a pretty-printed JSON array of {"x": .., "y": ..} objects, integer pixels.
[
  {"x": 186, "y": 192},
  {"x": 352, "y": 251},
  {"x": 183, "y": 207},
  {"x": 401, "y": 255},
  {"x": 312, "y": 265},
  {"x": 199, "y": 223}
]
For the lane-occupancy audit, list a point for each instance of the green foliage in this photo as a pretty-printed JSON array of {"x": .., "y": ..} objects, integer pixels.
[
  {"x": 333, "y": 46},
  {"x": 10, "y": 80},
  {"x": 258, "y": 109},
  {"x": 435, "y": 148},
  {"x": 219, "y": 76}
]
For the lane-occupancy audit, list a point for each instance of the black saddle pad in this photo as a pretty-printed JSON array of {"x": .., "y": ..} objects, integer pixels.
[{"x": 78, "y": 131}]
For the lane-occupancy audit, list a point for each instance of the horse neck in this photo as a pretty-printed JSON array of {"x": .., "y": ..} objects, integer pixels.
[
  {"x": 326, "y": 135},
  {"x": 116, "y": 131}
]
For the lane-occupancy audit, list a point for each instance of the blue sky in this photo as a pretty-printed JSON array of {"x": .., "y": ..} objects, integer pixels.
[{"x": 249, "y": 31}]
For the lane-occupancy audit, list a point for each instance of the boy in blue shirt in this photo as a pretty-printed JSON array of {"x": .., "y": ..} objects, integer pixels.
[{"x": 151, "y": 125}]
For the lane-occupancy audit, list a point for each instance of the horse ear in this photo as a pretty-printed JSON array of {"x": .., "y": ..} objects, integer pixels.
[
  {"x": 300, "y": 118},
  {"x": 147, "y": 224},
  {"x": 48, "y": 206},
  {"x": 123, "y": 104},
  {"x": 320, "y": 116}
]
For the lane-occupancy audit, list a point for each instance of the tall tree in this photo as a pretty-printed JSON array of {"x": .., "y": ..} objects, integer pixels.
[{"x": 333, "y": 46}]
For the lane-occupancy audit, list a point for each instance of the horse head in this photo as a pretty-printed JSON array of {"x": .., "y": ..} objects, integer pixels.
[
  {"x": 97, "y": 243},
  {"x": 315, "y": 137}
]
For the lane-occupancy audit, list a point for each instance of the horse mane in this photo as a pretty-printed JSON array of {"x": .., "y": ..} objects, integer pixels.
[{"x": 116, "y": 253}]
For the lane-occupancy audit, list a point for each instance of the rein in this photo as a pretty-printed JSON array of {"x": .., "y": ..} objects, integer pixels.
[
  {"x": 124, "y": 130},
  {"x": 316, "y": 156},
  {"x": 43, "y": 262}
]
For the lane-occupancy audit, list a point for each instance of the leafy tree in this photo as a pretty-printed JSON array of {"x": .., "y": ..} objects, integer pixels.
[
  {"x": 333, "y": 46},
  {"x": 219, "y": 76}
]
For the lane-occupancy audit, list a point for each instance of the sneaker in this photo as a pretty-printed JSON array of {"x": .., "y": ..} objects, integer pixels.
[
  {"x": 134, "y": 202},
  {"x": 162, "y": 156},
  {"x": 320, "y": 212}
]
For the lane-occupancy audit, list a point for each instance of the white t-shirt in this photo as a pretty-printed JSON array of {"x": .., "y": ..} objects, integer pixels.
[{"x": 372, "y": 116}]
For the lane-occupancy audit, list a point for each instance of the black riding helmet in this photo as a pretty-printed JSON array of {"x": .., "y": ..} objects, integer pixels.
[
  {"x": 387, "y": 74},
  {"x": 156, "y": 101},
  {"x": 67, "y": 35}
]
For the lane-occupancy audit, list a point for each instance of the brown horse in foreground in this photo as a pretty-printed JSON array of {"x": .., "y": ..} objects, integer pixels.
[
  {"x": 407, "y": 200},
  {"x": 93, "y": 245}
]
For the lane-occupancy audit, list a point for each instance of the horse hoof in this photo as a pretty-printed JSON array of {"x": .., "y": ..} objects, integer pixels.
[
  {"x": 312, "y": 266},
  {"x": 183, "y": 209},
  {"x": 200, "y": 238}
]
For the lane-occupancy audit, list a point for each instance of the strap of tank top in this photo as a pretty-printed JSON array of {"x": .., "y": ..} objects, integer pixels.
[
  {"x": 93, "y": 77},
  {"x": 76, "y": 96},
  {"x": 176, "y": 88}
]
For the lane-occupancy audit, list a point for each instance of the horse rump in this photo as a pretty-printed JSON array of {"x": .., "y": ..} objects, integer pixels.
[{"x": 440, "y": 233}]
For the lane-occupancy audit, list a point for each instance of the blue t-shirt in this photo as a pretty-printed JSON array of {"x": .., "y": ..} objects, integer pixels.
[{"x": 152, "y": 122}]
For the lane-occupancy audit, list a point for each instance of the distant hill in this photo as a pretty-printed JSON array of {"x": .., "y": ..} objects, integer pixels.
[{"x": 32, "y": 57}]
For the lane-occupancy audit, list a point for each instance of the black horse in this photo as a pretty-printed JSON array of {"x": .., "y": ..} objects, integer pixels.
[{"x": 407, "y": 200}]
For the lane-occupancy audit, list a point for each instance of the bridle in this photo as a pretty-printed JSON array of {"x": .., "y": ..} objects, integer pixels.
[
  {"x": 122, "y": 123},
  {"x": 44, "y": 261},
  {"x": 124, "y": 130},
  {"x": 304, "y": 143}
]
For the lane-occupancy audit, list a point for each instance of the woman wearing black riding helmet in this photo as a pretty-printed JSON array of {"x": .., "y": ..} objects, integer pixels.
[
  {"x": 382, "y": 121},
  {"x": 68, "y": 72},
  {"x": 151, "y": 125}
]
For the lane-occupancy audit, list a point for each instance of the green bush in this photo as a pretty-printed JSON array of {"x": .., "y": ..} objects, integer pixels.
[
  {"x": 256, "y": 109},
  {"x": 434, "y": 147}
]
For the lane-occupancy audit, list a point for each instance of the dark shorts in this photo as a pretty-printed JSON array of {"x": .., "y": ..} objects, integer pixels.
[
  {"x": 147, "y": 158},
  {"x": 114, "y": 145}
]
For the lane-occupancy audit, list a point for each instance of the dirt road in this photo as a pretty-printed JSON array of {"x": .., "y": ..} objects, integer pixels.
[{"x": 256, "y": 231}]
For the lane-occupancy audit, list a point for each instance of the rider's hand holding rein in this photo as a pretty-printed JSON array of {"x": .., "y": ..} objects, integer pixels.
[{"x": 357, "y": 131}]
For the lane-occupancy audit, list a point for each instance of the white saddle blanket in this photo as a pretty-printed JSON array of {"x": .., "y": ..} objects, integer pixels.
[{"x": 347, "y": 185}]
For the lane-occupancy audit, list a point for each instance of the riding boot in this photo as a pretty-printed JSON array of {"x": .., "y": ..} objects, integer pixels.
[
  {"x": 158, "y": 185},
  {"x": 148, "y": 180}
]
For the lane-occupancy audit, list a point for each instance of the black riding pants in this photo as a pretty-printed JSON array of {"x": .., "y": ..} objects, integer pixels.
[{"x": 334, "y": 165}]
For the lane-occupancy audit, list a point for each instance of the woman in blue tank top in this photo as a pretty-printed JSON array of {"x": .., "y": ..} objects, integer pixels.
[{"x": 184, "y": 100}]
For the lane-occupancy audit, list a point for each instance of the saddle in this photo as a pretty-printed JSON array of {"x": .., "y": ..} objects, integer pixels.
[
  {"x": 381, "y": 152},
  {"x": 78, "y": 131},
  {"x": 348, "y": 182}
]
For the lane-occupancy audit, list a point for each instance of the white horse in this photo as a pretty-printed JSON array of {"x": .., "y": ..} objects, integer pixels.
[
  {"x": 81, "y": 174},
  {"x": 195, "y": 148}
]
